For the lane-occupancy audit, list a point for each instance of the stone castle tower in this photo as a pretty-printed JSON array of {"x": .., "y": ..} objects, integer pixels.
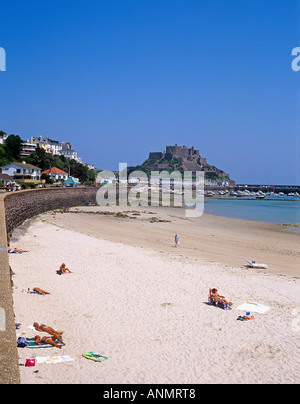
[{"x": 182, "y": 154}]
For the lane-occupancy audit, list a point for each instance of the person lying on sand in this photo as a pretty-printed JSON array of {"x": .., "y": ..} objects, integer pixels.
[
  {"x": 15, "y": 250},
  {"x": 47, "y": 340},
  {"x": 49, "y": 330},
  {"x": 63, "y": 270},
  {"x": 218, "y": 298},
  {"x": 40, "y": 291}
]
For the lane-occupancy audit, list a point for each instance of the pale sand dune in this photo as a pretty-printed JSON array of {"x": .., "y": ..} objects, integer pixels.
[{"x": 146, "y": 310}]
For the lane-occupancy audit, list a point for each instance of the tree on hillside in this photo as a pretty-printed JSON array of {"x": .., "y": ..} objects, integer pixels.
[
  {"x": 40, "y": 159},
  {"x": 3, "y": 157},
  {"x": 13, "y": 146},
  {"x": 82, "y": 172}
]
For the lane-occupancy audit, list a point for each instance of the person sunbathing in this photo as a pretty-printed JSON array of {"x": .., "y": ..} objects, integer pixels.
[
  {"x": 15, "y": 250},
  {"x": 218, "y": 298},
  {"x": 47, "y": 340},
  {"x": 40, "y": 291},
  {"x": 49, "y": 330},
  {"x": 63, "y": 270}
]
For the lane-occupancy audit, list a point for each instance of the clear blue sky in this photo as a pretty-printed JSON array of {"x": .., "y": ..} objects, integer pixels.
[{"x": 121, "y": 78}]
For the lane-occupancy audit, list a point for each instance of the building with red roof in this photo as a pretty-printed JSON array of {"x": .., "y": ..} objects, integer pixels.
[{"x": 56, "y": 174}]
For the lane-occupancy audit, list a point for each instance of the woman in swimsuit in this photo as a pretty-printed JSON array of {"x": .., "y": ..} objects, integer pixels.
[
  {"x": 47, "y": 340},
  {"x": 40, "y": 291},
  {"x": 15, "y": 250},
  {"x": 218, "y": 298},
  {"x": 64, "y": 270},
  {"x": 49, "y": 330}
]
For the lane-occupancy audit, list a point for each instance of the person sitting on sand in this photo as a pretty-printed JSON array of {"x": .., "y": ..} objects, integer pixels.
[
  {"x": 218, "y": 298},
  {"x": 49, "y": 330},
  {"x": 47, "y": 340},
  {"x": 63, "y": 270}
]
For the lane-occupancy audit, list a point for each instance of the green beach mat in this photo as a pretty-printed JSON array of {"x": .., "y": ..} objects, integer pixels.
[
  {"x": 32, "y": 344},
  {"x": 94, "y": 356}
]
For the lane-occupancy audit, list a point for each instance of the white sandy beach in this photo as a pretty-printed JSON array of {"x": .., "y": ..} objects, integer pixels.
[{"x": 146, "y": 311}]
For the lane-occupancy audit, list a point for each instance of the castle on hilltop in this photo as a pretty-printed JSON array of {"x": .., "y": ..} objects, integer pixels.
[
  {"x": 183, "y": 154},
  {"x": 184, "y": 158}
]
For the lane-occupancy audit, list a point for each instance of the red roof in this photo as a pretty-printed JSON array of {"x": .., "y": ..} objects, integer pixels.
[
  {"x": 5, "y": 177},
  {"x": 55, "y": 171}
]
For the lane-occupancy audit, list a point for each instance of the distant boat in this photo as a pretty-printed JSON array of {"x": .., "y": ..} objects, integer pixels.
[
  {"x": 210, "y": 194},
  {"x": 260, "y": 195}
]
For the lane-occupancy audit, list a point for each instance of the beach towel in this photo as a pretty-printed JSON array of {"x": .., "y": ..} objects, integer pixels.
[
  {"x": 254, "y": 307},
  {"x": 94, "y": 356},
  {"x": 32, "y": 344},
  {"x": 54, "y": 359},
  {"x": 253, "y": 264}
]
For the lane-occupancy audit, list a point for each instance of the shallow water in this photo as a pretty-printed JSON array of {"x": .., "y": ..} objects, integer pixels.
[{"x": 266, "y": 210}]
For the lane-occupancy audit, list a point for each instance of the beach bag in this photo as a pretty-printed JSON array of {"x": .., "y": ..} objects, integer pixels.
[
  {"x": 30, "y": 363},
  {"x": 22, "y": 343}
]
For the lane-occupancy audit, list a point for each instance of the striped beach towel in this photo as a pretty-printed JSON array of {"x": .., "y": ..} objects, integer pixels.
[{"x": 33, "y": 345}]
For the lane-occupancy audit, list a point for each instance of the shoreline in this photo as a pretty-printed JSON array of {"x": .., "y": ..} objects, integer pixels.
[
  {"x": 211, "y": 238},
  {"x": 147, "y": 310}
]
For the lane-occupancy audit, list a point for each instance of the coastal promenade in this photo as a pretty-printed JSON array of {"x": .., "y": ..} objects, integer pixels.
[{"x": 15, "y": 208}]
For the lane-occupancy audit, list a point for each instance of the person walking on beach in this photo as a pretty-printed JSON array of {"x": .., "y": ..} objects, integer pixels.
[{"x": 176, "y": 240}]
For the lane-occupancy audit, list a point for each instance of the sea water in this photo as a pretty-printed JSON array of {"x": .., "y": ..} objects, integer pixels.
[{"x": 265, "y": 210}]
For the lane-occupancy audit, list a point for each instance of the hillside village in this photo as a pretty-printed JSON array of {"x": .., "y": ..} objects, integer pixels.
[
  {"x": 39, "y": 161},
  {"x": 42, "y": 161}
]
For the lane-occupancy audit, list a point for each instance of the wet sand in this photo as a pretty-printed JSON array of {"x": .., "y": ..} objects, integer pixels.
[{"x": 212, "y": 238}]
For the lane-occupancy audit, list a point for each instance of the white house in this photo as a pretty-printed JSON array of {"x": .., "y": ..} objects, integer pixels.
[
  {"x": 49, "y": 145},
  {"x": 68, "y": 152},
  {"x": 3, "y": 137},
  {"x": 28, "y": 148},
  {"x": 22, "y": 172},
  {"x": 56, "y": 174}
]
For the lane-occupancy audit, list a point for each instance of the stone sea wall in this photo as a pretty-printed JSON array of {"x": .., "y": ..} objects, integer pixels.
[{"x": 21, "y": 206}]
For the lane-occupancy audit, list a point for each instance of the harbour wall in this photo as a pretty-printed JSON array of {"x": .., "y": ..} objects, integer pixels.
[
  {"x": 286, "y": 189},
  {"x": 15, "y": 209}
]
